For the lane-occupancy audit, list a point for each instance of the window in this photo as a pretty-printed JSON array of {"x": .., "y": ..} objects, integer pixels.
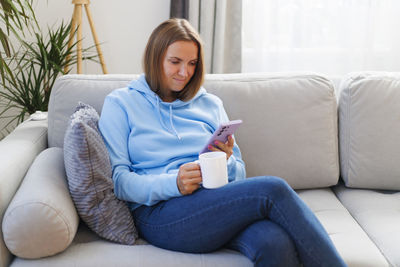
[{"x": 326, "y": 36}]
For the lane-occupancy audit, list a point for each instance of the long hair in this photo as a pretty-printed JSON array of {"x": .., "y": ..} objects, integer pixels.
[{"x": 162, "y": 37}]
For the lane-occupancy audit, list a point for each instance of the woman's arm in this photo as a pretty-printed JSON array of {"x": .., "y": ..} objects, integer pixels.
[
  {"x": 129, "y": 186},
  {"x": 236, "y": 166}
]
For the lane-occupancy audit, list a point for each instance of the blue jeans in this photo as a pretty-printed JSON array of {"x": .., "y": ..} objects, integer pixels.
[{"x": 262, "y": 217}]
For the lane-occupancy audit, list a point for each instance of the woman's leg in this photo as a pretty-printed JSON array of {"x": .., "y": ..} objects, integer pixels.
[
  {"x": 266, "y": 244},
  {"x": 209, "y": 219}
]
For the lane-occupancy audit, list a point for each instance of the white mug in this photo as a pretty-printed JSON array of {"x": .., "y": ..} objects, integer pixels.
[{"x": 213, "y": 169}]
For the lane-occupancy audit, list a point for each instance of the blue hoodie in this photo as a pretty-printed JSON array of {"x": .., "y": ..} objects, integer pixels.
[{"x": 148, "y": 140}]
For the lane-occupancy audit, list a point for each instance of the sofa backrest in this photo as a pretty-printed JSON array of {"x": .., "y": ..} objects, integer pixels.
[
  {"x": 68, "y": 90},
  {"x": 290, "y": 120},
  {"x": 369, "y": 112}
]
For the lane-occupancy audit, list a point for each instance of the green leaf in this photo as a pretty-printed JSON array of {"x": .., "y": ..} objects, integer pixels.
[{"x": 30, "y": 72}]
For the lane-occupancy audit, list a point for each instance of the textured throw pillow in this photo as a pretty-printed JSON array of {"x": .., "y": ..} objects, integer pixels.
[{"x": 88, "y": 169}]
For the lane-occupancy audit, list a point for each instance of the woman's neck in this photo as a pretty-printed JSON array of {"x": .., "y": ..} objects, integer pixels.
[
  {"x": 169, "y": 100},
  {"x": 171, "y": 97}
]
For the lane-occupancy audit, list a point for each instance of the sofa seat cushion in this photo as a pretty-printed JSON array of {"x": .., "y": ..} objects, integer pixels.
[
  {"x": 90, "y": 182},
  {"x": 352, "y": 243},
  {"x": 369, "y": 114},
  {"x": 89, "y": 250},
  {"x": 41, "y": 220},
  {"x": 378, "y": 214}
]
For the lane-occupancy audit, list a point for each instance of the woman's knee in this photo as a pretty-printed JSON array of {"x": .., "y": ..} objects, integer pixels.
[{"x": 271, "y": 185}]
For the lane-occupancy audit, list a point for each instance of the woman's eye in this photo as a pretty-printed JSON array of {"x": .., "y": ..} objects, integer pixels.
[
  {"x": 175, "y": 62},
  {"x": 193, "y": 63}
]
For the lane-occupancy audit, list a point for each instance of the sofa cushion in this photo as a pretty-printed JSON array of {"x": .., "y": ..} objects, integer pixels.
[
  {"x": 369, "y": 114},
  {"x": 377, "y": 212},
  {"x": 41, "y": 220},
  {"x": 89, "y": 178},
  {"x": 87, "y": 250},
  {"x": 352, "y": 243},
  {"x": 68, "y": 90},
  {"x": 289, "y": 125}
]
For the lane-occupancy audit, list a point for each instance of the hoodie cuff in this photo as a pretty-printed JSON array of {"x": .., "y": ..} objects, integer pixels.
[
  {"x": 231, "y": 164},
  {"x": 171, "y": 186}
]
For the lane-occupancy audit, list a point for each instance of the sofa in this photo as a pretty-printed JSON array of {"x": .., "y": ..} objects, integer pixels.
[{"x": 335, "y": 140}]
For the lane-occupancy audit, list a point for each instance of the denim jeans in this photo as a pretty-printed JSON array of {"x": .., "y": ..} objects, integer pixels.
[{"x": 262, "y": 217}]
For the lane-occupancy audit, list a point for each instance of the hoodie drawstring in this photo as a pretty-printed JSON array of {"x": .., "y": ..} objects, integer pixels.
[
  {"x": 170, "y": 119},
  {"x": 172, "y": 123}
]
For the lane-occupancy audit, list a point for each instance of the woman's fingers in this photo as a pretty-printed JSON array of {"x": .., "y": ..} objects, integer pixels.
[
  {"x": 231, "y": 141},
  {"x": 189, "y": 178},
  {"x": 225, "y": 147},
  {"x": 190, "y": 167}
]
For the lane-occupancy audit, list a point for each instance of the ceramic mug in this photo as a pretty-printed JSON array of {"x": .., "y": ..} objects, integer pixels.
[{"x": 214, "y": 169}]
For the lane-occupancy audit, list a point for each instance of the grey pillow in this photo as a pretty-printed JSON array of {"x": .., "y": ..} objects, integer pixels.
[{"x": 88, "y": 169}]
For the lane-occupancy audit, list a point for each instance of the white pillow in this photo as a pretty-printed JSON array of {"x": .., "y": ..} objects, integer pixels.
[{"x": 41, "y": 220}]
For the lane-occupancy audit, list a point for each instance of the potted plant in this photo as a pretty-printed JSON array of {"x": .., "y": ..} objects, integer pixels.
[{"x": 29, "y": 72}]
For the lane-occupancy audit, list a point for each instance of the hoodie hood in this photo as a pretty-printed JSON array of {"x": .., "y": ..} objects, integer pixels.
[{"x": 142, "y": 87}]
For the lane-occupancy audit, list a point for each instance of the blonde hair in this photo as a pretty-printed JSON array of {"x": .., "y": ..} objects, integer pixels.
[{"x": 162, "y": 37}]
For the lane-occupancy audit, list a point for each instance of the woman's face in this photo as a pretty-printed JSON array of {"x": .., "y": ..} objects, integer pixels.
[{"x": 179, "y": 65}]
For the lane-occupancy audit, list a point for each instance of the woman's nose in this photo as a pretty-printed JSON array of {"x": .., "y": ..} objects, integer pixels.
[{"x": 183, "y": 70}]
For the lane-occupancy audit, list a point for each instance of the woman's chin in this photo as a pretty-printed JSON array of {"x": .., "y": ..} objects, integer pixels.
[{"x": 177, "y": 89}]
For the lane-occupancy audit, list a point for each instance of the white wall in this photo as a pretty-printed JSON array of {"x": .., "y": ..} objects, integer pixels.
[{"x": 122, "y": 26}]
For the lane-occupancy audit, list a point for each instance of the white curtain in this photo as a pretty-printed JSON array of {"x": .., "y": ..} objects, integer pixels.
[
  {"x": 219, "y": 24},
  {"x": 327, "y": 36}
]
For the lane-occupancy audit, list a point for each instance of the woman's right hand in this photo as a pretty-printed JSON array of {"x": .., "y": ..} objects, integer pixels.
[{"x": 189, "y": 178}]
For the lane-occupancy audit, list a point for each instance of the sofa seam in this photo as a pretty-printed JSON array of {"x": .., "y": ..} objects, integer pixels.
[
  {"x": 95, "y": 78},
  {"x": 231, "y": 79},
  {"x": 348, "y": 131},
  {"x": 349, "y": 120},
  {"x": 39, "y": 138},
  {"x": 335, "y": 133},
  {"x": 268, "y": 79}
]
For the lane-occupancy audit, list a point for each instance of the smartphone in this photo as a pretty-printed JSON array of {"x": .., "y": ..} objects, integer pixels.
[{"x": 221, "y": 134}]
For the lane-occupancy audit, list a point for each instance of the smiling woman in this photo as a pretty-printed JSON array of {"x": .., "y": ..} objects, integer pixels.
[
  {"x": 173, "y": 53},
  {"x": 154, "y": 129},
  {"x": 179, "y": 65}
]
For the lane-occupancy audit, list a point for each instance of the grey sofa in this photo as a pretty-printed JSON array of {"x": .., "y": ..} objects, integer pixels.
[{"x": 335, "y": 140}]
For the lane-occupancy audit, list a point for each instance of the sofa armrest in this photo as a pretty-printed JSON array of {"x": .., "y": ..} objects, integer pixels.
[{"x": 17, "y": 152}]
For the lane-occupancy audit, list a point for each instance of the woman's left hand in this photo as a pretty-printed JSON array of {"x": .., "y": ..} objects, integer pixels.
[{"x": 225, "y": 147}]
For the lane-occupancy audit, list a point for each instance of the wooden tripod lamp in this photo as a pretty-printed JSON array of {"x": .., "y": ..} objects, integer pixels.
[{"x": 76, "y": 27}]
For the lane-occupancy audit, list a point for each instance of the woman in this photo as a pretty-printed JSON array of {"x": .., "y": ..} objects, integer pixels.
[{"x": 154, "y": 130}]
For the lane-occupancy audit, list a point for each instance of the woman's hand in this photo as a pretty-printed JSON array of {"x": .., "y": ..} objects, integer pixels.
[
  {"x": 189, "y": 178},
  {"x": 227, "y": 147}
]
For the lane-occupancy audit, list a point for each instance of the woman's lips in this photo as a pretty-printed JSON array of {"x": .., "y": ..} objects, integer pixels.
[{"x": 179, "y": 80}]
